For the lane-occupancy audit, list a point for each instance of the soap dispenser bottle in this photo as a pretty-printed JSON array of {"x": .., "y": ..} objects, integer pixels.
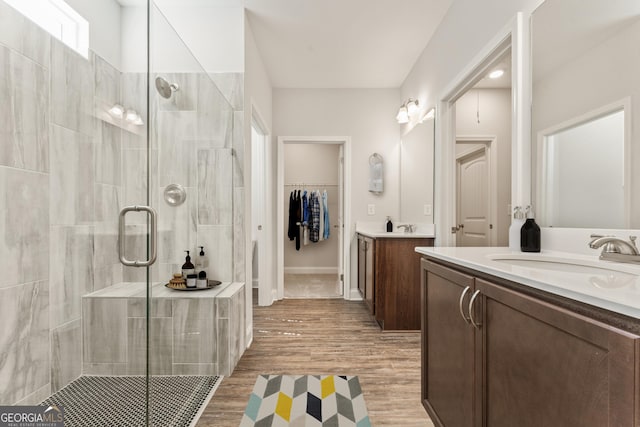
[
  {"x": 530, "y": 234},
  {"x": 514, "y": 229},
  {"x": 201, "y": 260},
  {"x": 188, "y": 267},
  {"x": 389, "y": 225}
]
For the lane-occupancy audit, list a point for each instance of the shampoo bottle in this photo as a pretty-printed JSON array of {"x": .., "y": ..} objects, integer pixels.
[
  {"x": 188, "y": 267},
  {"x": 389, "y": 225},
  {"x": 530, "y": 234},
  {"x": 514, "y": 229}
]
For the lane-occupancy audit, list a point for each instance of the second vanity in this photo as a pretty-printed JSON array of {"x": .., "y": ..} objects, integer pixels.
[{"x": 548, "y": 339}]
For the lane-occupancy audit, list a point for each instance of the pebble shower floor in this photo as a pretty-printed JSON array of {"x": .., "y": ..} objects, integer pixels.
[{"x": 101, "y": 401}]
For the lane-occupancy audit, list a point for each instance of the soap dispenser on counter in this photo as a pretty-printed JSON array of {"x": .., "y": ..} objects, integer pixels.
[
  {"x": 188, "y": 267},
  {"x": 389, "y": 225},
  {"x": 530, "y": 234},
  {"x": 514, "y": 229}
]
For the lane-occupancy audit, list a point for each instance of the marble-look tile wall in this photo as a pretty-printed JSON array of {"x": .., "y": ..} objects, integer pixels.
[
  {"x": 190, "y": 335},
  {"x": 66, "y": 169}
]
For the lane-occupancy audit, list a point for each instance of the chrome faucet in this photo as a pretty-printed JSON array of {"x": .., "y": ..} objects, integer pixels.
[
  {"x": 616, "y": 249},
  {"x": 408, "y": 228}
]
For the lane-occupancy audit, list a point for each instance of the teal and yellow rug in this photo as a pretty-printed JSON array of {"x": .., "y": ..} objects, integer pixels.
[{"x": 306, "y": 401}]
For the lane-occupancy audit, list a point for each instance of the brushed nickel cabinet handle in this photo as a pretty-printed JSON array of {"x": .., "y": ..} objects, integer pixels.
[
  {"x": 471, "y": 311},
  {"x": 460, "y": 305}
]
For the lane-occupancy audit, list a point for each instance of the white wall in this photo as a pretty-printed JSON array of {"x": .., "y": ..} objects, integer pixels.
[
  {"x": 319, "y": 164},
  {"x": 495, "y": 120},
  {"x": 104, "y": 27},
  {"x": 213, "y": 30},
  {"x": 365, "y": 115},
  {"x": 257, "y": 100}
]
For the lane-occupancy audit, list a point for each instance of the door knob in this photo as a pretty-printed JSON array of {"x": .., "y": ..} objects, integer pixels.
[{"x": 259, "y": 227}]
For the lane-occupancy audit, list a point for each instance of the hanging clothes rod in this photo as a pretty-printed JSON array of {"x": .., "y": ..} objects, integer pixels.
[{"x": 306, "y": 184}]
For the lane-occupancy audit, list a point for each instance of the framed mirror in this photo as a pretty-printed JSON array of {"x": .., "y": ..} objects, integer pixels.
[
  {"x": 585, "y": 106},
  {"x": 416, "y": 174}
]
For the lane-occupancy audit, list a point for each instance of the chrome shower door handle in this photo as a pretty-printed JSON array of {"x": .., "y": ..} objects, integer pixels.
[{"x": 153, "y": 232}]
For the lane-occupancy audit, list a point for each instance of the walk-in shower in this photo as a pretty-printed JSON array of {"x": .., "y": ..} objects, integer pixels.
[
  {"x": 164, "y": 88},
  {"x": 109, "y": 342}
]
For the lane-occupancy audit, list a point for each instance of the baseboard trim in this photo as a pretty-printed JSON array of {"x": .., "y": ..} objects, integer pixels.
[{"x": 311, "y": 270}]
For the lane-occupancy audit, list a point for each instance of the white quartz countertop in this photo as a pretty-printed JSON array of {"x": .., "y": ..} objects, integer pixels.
[
  {"x": 376, "y": 230},
  {"x": 585, "y": 278}
]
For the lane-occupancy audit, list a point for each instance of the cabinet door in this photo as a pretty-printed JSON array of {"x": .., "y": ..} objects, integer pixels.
[
  {"x": 361, "y": 266},
  {"x": 447, "y": 347},
  {"x": 369, "y": 276},
  {"x": 546, "y": 366}
]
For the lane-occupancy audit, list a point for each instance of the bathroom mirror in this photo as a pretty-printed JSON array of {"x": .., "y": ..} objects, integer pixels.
[
  {"x": 585, "y": 157},
  {"x": 416, "y": 174}
]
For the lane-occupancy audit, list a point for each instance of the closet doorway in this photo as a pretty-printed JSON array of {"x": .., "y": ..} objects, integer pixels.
[{"x": 311, "y": 243}]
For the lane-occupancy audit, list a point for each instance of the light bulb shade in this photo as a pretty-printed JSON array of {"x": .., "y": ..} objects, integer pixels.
[
  {"x": 131, "y": 116},
  {"x": 403, "y": 115},
  {"x": 496, "y": 74},
  {"x": 117, "y": 111},
  {"x": 138, "y": 121},
  {"x": 412, "y": 106}
]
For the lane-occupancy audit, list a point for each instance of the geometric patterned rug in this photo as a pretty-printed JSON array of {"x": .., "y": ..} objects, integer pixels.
[{"x": 306, "y": 401}]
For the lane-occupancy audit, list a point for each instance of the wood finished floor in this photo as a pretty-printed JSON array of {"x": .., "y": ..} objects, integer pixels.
[{"x": 327, "y": 336}]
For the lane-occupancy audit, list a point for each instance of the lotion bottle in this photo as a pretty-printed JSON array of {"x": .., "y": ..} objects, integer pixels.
[
  {"x": 514, "y": 229},
  {"x": 530, "y": 234}
]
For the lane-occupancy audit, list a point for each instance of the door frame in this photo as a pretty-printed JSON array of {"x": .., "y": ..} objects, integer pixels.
[
  {"x": 490, "y": 150},
  {"x": 514, "y": 35},
  {"x": 265, "y": 294},
  {"x": 345, "y": 142}
]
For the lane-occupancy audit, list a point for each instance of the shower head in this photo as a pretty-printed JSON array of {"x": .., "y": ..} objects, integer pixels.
[{"x": 165, "y": 89}]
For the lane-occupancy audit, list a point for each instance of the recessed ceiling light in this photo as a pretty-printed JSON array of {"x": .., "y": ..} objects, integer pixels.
[{"x": 495, "y": 74}]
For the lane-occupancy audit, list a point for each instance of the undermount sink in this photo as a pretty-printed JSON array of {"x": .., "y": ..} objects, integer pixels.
[{"x": 600, "y": 274}]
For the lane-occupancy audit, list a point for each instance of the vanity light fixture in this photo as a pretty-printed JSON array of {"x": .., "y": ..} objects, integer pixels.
[
  {"x": 117, "y": 111},
  {"x": 403, "y": 114},
  {"x": 131, "y": 116},
  {"x": 412, "y": 106},
  {"x": 496, "y": 74}
]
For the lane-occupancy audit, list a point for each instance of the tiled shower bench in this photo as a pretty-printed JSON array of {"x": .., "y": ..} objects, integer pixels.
[{"x": 191, "y": 332}]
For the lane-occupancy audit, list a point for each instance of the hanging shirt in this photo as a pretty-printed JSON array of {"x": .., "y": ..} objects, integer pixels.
[
  {"x": 297, "y": 215},
  {"x": 321, "y": 205},
  {"x": 314, "y": 226},
  {"x": 326, "y": 214},
  {"x": 293, "y": 228},
  {"x": 305, "y": 208}
]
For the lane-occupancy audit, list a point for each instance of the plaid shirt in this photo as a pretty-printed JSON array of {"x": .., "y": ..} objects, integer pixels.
[{"x": 315, "y": 217}]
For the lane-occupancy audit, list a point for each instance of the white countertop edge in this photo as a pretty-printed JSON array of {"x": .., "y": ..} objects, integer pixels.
[
  {"x": 395, "y": 234},
  {"x": 547, "y": 287}
]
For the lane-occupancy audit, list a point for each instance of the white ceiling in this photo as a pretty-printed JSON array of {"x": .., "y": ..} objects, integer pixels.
[{"x": 342, "y": 43}]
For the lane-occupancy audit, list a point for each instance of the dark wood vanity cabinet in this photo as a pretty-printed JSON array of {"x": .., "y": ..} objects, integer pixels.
[
  {"x": 389, "y": 280},
  {"x": 514, "y": 359},
  {"x": 366, "y": 255}
]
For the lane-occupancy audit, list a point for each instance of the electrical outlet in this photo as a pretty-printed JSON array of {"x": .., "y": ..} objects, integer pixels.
[
  {"x": 371, "y": 209},
  {"x": 427, "y": 209}
]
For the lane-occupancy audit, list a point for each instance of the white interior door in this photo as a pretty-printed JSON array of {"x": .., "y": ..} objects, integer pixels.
[
  {"x": 258, "y": 204},
  {"x": 341, "y": 221},
  {"x": 473, "y": 199}
]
